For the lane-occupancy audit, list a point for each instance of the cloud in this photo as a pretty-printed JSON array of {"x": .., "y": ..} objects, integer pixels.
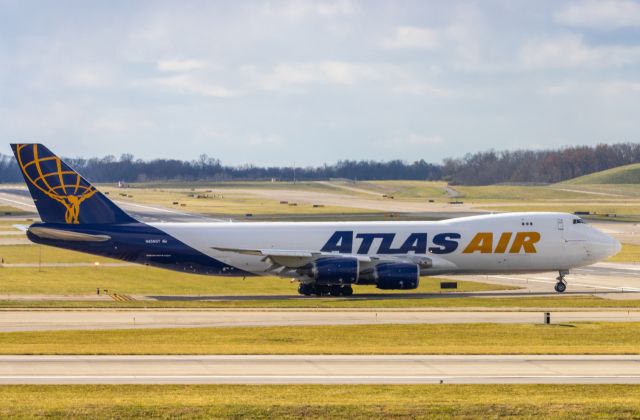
[
  {"x": 85, "y": 77},
  {"x": 415, "y": 140},
  {"x": 181, "y": 65},
  {"x": 291, "y": 75},
  {"x": 569, "y": 51},
  {"x": 412, "y": 37},
  {"x": 184, "y": 83},
  {"x": 600, "y": 14},
  {"x": 265, "y": 140},
  {"x": 418, "y": 140},
  {"x": 422, "y": 89},
  {"x": 298, "y": 9},
  {"x": 559, "y": 88},
  {"x": 620, "y": 88}
]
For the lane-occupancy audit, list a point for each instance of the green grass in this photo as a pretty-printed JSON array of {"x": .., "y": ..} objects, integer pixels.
[
  {"x": 224, "y": 185},
  {"x": 623, "y": 209},
  {"x": 576, "y": 338},
  {"x": 628, "y": 174},
  {"x": 516, "y": 193},
  {"x": 321, "y": 401},
  {"x": 138, "y": 279},
  {"x": 230, "y": 201},
  {"x": 629, "y": 253},
  {"x": 405, "y": 189},
  {"x": 17, "y": 254}
]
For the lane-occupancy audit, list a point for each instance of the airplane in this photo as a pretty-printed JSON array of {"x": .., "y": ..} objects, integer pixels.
[{"x": 326, "y": 258}]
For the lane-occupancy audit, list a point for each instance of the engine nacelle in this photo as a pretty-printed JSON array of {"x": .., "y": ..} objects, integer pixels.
[
  {"x": 341, "y": 270},
  {"x": 396, "y": 276}
]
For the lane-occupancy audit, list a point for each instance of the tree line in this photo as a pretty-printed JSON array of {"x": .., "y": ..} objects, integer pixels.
[{"x": 482, "y": 168}]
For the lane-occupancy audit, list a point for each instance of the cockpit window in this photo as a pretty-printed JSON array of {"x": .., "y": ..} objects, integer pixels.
[{"x": 578, "y": 221}]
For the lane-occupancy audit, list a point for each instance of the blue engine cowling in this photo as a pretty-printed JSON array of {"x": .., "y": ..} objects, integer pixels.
[
  {"x": 341, "y": 270},
  {"x": 397, "y": 276}
]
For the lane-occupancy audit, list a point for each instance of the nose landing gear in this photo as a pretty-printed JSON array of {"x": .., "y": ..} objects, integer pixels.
[{"x": 561, "y": 285}]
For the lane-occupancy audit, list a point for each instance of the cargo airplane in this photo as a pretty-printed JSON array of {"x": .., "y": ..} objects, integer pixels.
[{"x": 327, "y": 258}]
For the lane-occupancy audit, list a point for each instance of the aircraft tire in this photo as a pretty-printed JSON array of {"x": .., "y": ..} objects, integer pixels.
[
  {"x": 321, "y": 290},
  {"x": 346, "y": 291},
  {"x": 560, "y": 287},
  {"x": 335, "y": 290},
  {"x": 305, "y": 289}
]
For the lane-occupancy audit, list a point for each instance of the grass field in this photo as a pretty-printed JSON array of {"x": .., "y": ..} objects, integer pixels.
[
  {"x": 604, "y": 191},
  {"x": 405, "y": 189},
  {"x": 31, "y": 253},
  {"x": 628, "y": 174},
  {"x": 318, "y": 401},
  {"x": 626, "y": 208},
  {"x": 229, "y": 201},
  {"x": 629, "y": 253},
  {"x": 492, "y": 193},
  {"x": 575, "y": 338},
  {"x": 138, "y": 279}
]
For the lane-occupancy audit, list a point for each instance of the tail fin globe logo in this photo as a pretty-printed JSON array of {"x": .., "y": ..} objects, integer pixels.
[{"x": 47, "y": 173}]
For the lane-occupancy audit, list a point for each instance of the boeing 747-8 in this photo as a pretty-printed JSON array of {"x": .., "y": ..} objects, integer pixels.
[{"x": 325, "y": 257}]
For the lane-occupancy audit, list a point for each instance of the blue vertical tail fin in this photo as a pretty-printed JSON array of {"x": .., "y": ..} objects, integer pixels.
[{"x": 61, "y": 194}]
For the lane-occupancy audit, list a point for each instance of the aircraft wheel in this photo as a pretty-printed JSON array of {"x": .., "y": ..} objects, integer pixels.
[
  {"x": 560, "y": 287},
  {"x": 335, "y": 290},
  {"x": 305, "y": 289},
  {"x": 347, "y": 291},
  {"x": 321, "y": 289}
]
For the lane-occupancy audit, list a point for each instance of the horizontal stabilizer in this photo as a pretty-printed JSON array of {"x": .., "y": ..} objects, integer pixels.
[{"x": 67, "y": 235}]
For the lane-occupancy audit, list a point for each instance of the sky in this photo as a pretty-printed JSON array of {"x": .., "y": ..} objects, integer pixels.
[{"x": 313, "y": 82}]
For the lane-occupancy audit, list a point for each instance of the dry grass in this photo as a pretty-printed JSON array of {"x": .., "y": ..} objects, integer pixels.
[
  {"x": 629, "y": 253},
  {"x": 321, "y": 401},
  {"x": 576, "y": 338}
]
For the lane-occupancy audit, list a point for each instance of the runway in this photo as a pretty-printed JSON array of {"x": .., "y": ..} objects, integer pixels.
[
  {"x": 42, "y": 320},
  {"x": 615, "y": 280},
  {"x": 485, "y": 369}
]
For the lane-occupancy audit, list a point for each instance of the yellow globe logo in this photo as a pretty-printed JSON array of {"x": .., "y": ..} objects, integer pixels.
[{"x": 47, "y": 173}]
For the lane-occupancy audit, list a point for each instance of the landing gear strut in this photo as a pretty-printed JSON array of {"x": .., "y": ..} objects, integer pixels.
[
  {"x": 324, "y": 290},
  {"x": 561, "y": 285}
]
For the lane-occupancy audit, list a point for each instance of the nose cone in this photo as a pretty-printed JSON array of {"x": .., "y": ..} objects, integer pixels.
[
  {"x": 608, "y": 246},
  {"x": 616, "y": 246},
  {"x": 602, "y": 246}
]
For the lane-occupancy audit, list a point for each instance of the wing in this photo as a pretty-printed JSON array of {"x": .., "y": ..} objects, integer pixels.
[{"x": 285, "y": 262}]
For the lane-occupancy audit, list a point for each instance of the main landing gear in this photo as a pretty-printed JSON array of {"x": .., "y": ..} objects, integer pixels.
[
  {"x": 324, "y": 290},
  {"x": 561, "y": 285}
]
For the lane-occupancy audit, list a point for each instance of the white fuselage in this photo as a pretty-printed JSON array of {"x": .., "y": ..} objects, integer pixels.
[{"x": 497, "y": 243}]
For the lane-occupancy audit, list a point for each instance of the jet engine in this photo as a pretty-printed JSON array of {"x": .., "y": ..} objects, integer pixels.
[
  {"x": 396, "y": 276},
  {"x": 332, "y": 271}
]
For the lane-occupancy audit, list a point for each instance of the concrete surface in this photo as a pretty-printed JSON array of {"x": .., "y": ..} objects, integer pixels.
[
  {"x": 318, "y": 369},
  {"x": 33, "y": 320}
]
